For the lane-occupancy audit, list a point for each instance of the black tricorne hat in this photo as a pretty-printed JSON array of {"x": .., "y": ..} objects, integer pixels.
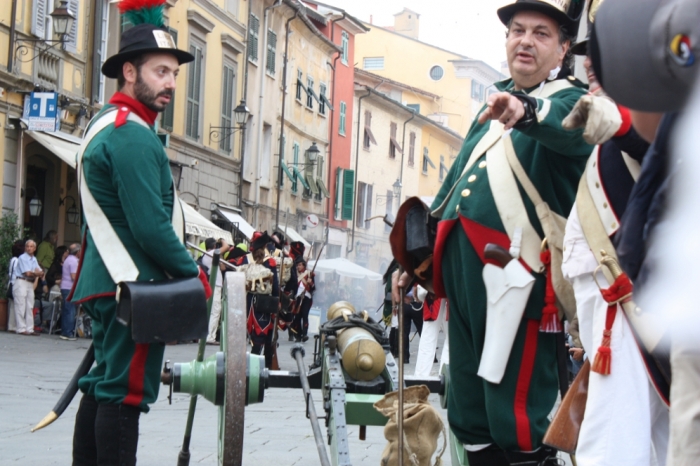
[
  {"x": 141, "y": 39},
  {"x": 566, "y": 12}
]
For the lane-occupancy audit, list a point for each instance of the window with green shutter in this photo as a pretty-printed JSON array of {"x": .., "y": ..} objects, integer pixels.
[
  {"x": 228, "y": 94},
  {"x": 295, "y": 163},
  {"x": 194, "y": 90},
  {"x": 271, "y": 52},
  {"x": 348, "y": 194},
  {"x": 253, "y": 30}
]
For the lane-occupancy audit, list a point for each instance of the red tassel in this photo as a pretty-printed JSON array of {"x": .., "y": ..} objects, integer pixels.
[
  {"x": 550, "y": 322},
  {"x": 619, "y": 291}
]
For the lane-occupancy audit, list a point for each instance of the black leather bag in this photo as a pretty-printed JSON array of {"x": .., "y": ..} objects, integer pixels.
[
  {"x": 265, "y": 303},
  {"x": 164, "y": 311},
  {"x": 9, "y": 291}
]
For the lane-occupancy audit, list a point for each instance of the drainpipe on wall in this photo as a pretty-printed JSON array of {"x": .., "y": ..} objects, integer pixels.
[
  {"x": 331, "y": 132},
  {"x": 261, "y": 68},
  {"x": 282, "y": 119},
  {"x": 351, "y": 246},
  {"x": 244, "y": 98},
  {"x": 403, "y": 152},
  {"x": 11, "y": 52}
]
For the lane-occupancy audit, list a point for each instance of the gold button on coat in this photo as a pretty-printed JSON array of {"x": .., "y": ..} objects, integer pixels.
[
  {"x": 466, "y": 192},
  {"x": 482, "y": 164},
  {"x": 471, "y": 178},
  {"x": 457, "y": 208}
]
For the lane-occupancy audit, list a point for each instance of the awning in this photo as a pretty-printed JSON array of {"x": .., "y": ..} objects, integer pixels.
[
  {"x": 196, "y": 224},
  {"x": 286, "y": 170},
  {"x": 238, "y": 222},
  {"x": 344, "y": 267},
  {"x": 300, "y": 176},
  {"x": 62, "y": 147},
  {"x": 294, "y": 236}
]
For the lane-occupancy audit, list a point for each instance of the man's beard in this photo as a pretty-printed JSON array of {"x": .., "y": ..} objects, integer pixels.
[{"x": 148, "y": 96}]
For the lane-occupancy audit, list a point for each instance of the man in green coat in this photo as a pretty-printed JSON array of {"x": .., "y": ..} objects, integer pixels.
[
  {"x": 127, "y": 172},
  {"x": 480, "y": 202}
]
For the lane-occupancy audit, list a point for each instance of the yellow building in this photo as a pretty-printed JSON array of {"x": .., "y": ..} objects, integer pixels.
[
  {"x": 291, "y": 115},
  {"x": 429, "y": 152},
  {"x": 39, "y": 161},
  {"x": 459, "y": 83}
]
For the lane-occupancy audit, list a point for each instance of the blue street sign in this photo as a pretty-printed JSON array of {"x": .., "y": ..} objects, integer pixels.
[{"x": 41, "y": 111}]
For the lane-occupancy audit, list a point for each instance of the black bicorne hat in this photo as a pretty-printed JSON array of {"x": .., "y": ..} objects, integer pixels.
[
  {"x": 148, "y": 35},
  {"x": 566, "y": 12},
  {"x": 260, "y": 241},
  {"x": 581, "y": 48}
]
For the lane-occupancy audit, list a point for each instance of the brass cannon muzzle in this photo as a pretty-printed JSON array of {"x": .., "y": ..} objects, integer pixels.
[{"x": 363, "y": 357}]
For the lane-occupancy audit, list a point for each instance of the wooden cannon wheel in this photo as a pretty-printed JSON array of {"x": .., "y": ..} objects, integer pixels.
[{"x": 234, "y": 346}]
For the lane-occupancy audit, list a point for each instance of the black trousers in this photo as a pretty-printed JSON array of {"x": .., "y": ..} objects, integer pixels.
[
  {"x": 409, "y": 317},
  {"x": 301, "y": 320}
]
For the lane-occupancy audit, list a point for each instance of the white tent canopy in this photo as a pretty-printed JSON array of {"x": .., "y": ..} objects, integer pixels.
[{"x": 345, "y": 268}]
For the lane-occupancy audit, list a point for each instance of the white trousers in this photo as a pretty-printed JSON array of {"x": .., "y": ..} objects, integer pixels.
[
  {"x": 215, "y": 315},
  {"x": 428, "y": 343},
  {"x": 624, "y": 417},
  {"x": 685, "y": 405},
  {"x": 23, "y": 292}
]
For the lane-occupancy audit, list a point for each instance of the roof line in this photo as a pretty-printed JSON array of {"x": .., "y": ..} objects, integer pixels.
[
  {"x": 397, "y": 83},
  {"x": 300, "y": 9},
  {"x": 410, "y": 110},
  {"x": 357, "y": 22},
  {"x": 416, "y": 40}
]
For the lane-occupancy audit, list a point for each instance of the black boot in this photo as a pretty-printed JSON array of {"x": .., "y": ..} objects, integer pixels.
[
  {"x": 489, "y": 456},
  {"x": 84, "y": 446},
  {"x": 117, "y": 434},
  {"x": 543, "y": 456}
]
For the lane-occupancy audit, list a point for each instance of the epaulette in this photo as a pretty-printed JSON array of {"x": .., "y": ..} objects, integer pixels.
[
  {"x": 122, "y": 116},
  {"x": 576, "y": 82}
]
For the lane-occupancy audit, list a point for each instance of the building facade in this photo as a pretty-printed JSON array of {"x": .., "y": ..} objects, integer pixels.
[{"x": 431, "y": 69}]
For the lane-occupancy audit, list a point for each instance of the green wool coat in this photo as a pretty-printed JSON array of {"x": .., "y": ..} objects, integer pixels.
[
  {"x": 554, "y": 159},
  {"x": 128, "y": 174}
]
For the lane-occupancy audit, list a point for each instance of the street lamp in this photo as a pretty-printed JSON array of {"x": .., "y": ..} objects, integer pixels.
[
  {"x": 72, "y": 213},
  {"x": 35, "y": 207},
  {"x": 312, "y": 153},
  {"x": 222, "y": 133},
  {"x": 241, "y": 113},
  {"x": 62, "y": 20},
  {"x": 397, "y": 187}
]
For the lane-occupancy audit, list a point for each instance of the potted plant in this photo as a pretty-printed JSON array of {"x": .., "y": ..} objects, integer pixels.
[{"x": 9, "y": 233}]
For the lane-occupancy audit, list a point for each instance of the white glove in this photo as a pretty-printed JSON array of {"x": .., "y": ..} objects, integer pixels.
[
  {"x": 422, "y": 293},
  {"x": 599, "y": 117}
]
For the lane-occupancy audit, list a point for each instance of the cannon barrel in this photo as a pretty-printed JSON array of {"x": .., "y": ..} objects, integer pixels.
[{"x": 363, "y": 357}]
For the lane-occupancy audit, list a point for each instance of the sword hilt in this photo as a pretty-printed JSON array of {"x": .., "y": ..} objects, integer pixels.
[{"x": 611, "y": 263}]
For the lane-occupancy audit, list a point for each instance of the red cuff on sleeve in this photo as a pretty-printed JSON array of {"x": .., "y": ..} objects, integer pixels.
[{"x": 626, "y": 121}]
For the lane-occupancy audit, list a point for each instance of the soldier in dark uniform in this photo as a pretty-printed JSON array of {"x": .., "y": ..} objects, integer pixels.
[{"x": 261, "y": 324}]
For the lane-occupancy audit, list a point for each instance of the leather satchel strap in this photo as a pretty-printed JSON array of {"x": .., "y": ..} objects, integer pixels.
[{"x": 117, "y": 260}]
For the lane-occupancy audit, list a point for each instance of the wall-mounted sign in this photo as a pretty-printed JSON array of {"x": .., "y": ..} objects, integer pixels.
[
  {"x": 311, "y": 221},
  {"x": 41, "y": 111}
]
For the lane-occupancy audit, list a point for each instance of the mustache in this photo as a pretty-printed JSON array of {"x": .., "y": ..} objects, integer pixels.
[
  {"x": 528, "y": 50},
  {"x": 166, "y": 92}
]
